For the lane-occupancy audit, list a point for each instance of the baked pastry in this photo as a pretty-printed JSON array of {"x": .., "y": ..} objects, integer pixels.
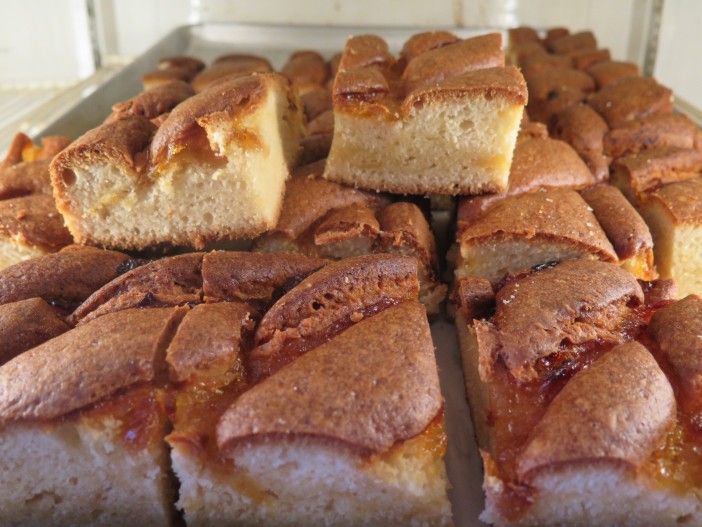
[
  {"x": 178, "y": 68},
  {"x": 609, "y": 71},
  {"x": 154, "y": 102},
  {"x": 631, "y": 98},
  {"x": 30, "y": 225},
  {"x": 674, "y": 215},
  {"x": 555, "y": 33},
  {"x": 576, "y": 421},
  {"x": 214, "y": 169},
  {"x": 571, "y": 42},
  {"x": 530, "y": 229},
  {"x": 553, "y": 90},
  {"x": 583, "y": 128},
  {"x": 636, "y": 173},
  {"x": 324, "y": 219},
  {"x": 357, "y": 407},
  {"x": 317, "y": 141},
  {"x": 228, "y": 67},
  {"x": 582, "y": 59},
  {"x": 657, "y": 130},
  {"x": 443, "y": 119},
  {"x": 625, "y": 228}
]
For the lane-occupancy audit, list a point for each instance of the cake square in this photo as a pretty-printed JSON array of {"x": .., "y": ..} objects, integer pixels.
[
  {"x": 442, "y": 119},
  {"x": 214, "y": 169}
]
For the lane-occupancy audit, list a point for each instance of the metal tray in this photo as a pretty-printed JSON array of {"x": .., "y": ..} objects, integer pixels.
[{"x": 207, "y": 41}]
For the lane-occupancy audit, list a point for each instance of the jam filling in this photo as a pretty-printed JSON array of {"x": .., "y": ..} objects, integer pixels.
[{"x": 515, "y": 409}]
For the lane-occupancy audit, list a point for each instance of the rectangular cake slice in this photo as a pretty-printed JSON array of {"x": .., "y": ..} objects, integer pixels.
[
  {"x": 442, "y": 119},
  {"x": 214, "y": 169}
]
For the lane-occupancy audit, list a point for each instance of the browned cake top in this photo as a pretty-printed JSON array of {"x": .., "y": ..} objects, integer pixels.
[
  {"x": 384, "y": 356},
  {"x": 306, "y": 67},
  {"x": 555, "y": 33},
  {"x": 33, "y": 220},
  {"x": 153, "y": 102},
  {"x": 625, "y": 228},
  {"x": 230, "y": 67},
  {"x": 25, "y": 324},
  {"x": 631, "y": 98},
  {"x": 433, "y": 65},
  {"x": 609, "y": 71},
  {"x": 677, "y": 329},
  {"x": 22, "y": 149},
  {"x": 554, "y": 215},
  {"x": 682, "y": 200},
  {"x": 581, "y": 127},
  {"x": 81, "y": 366},
  {"x": 182, "y": 61},
  {"x": 27, "y": 177},
  {"x": 371, "y": 386},
  {"x": 571, "y": 303},
  {"x": 616, "y": 410},
  {"x": 658, "y": 166},
  {"x": 584, "y": 58},
  {"x": 661, "y": 129},
  {"x": 522, "y": 34},
  {"x": 547, "y": 84},
  {"x": 567, "y": 43},
  {"x": 64, "y": 278},
  {"x": 158, "y": 77}
]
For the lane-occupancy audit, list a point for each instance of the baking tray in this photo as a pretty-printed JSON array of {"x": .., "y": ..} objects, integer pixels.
[{"x": 209, "y": 40}]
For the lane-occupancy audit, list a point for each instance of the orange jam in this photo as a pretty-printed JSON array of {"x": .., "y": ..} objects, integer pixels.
[{"x": 140, "y": 411}]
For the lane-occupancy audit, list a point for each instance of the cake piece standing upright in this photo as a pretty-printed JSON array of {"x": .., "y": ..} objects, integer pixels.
[
  {"x": 442, "y": 118},
  {"x": 214, "y": 169}
]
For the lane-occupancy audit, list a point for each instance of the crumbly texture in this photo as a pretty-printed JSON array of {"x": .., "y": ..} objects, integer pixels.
[
  {"x": 216, "y": 169},
  {"x": 450, "y": 122}
]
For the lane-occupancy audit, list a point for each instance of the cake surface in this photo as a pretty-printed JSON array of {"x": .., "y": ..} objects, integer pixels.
[
  {"x": 180, "y": 351},
  {"x": 576, "y": 421},
  {"x": 214, "y": 169},
  {"x": 447, "y": 113}
]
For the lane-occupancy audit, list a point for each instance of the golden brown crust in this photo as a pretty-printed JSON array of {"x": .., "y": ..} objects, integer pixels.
[
  {"x": 681, "y": 200},
  {"x": 555, "y": 33},
  {"x": 609, "y": 71},
  {"x": 33, "y": 220},
  {"x": 153, "y": 102},
  {"x": 328, "y": 300},
  {"x": 574, "y": 302},
  {"x": 230, "y": 99},
  {"x": 122, "y": 143},
  {"x": 209, "y": 338},
  {"x": 568, "y": 43},
  {"x": 365, "y": 50},
  {"x": 228, "y": 68},
  {"x": 306, "y": 67},
  {"x": 631, "y": 98},
  {"x": 658, "y": 166},
  {"x": 625, "y": 228},
  {"x": 451, "y": 60},
  {"x": 582, "y": 59},
  {"x": 537, "y": 163},
  {"x": 405, "y": 228},
  {"x": 22, "y": 149},
  {"x": 26, "y": 324},
  {"x": 156, "y": 78},
  {"x": 422, "y": 42},
  {"x": 182, "y": 61},
  {"x": 522, "y": 34},
  {"x": 352, "y": 221},
  {"x": 677, "y": 329},
  {"x": 308, "y": 198},
  {"x": 172, "y": 281},
  {"x": 616, "y": 411},
  {"x": 64, "y": 278},
  {"x": 253, "y": 277},
  {"x": 535, "y": 63},
  {"x": 555, "y": 215},
  {"x": 663, "y": 129},
  {"x": 550, "y": 83},
  {"x": 367, "y": 389},
  {"x": 316, "y": 100},
  {"x": 27, "y": 177},
  {"x": 584, "y": 129},
  {"x": 86, "y": 364}
]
